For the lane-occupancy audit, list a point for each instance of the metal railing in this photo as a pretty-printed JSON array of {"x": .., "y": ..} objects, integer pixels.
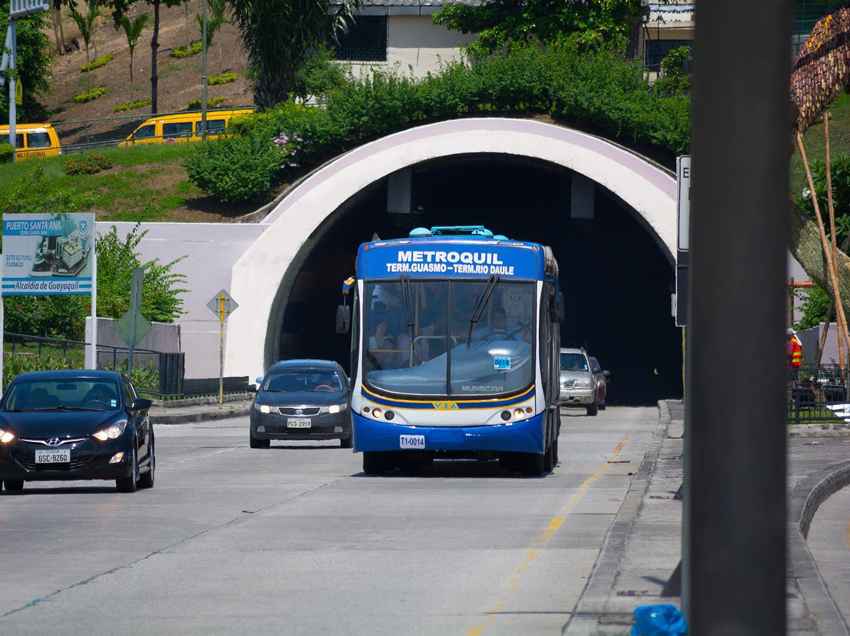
[{"x": 812, "y": 390}]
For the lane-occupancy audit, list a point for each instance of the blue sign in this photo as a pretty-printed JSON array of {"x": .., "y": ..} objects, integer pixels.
[{"x": 427, "y": 258}]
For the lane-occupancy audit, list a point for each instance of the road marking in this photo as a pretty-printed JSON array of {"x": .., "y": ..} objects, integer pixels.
[{"x": 541, "y": 540}]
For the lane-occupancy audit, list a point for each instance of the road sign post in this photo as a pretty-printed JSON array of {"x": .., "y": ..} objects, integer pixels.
[
  {"x": 132, "y": 327},
  {"x": 221, "y": 305}
]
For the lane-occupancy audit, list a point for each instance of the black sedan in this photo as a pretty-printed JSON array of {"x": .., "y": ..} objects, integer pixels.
[
  {"x": 68, "y": 425},
  {"x": 301, "y": 399}
]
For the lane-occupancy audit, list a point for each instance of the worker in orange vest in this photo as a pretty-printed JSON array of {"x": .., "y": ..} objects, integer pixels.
[{"x": 795, "y": 353}]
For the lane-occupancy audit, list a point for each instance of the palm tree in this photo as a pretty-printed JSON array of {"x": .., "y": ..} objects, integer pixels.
[
  {"x": 86, "y": 23},
  {"x": 133, "y": 30},
  {"x": 215, "y": 19}
]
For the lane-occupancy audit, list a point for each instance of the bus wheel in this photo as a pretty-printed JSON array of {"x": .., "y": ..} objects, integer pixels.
[
  {"x": 535, "y": 464},
  {"x": 549, "y": 458},
  {"x": 593, "y": 409},
  {"x": 373, "y": 463}
]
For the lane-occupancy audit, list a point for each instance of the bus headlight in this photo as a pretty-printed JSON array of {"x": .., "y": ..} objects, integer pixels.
[
  {"x": 519, "y": 413},
  {"x": 376, "y": 412}
]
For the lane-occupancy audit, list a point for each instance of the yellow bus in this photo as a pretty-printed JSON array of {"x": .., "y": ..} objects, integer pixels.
[
  {"x": 34, "y": 141},
  {"x": 182, "y": 127}
]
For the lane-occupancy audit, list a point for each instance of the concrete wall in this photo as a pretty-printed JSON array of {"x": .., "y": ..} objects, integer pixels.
[
  {"x": 416, "y": 46},
  {"x": 208, "y": 252}
]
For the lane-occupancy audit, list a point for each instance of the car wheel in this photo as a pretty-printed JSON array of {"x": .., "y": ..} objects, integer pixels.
[
  {"x": 146, "y": 479},
  {"x": 346, "y": 442},
  {"x": 129, "y": 484},
  {"x": 14, "y": 485},
  {"x": 534, "y": 464},
  {"x": 260, "y": 443},
  {"x": 593, "y": 409},
  {"x": 373, "y": 463}
]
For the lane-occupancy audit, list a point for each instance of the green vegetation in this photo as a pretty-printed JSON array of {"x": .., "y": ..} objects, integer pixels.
[
  {"x": 131, "y": 105},
  {"x": 215, "y": 19},
  {"x": 90, "y": 95},
  {"x": 839, "y": 129},
  {"x": 133, "y": 31},
  {"x": 33, "y": 64},
  {"x": 147, "y": 183},
  {"x": 319, "y": 75},
  {"x": 222, "y": 78},
  {"x": 212, "y": 102},
  {"x": 86, "y": 23},
  {"x": 597, "y": 91},
  {"x": 181, "y": 52},
  {"x": 87, "y": 163},
  {"x": 103, "y": 60},
  {"x": 7, "y": 152}
]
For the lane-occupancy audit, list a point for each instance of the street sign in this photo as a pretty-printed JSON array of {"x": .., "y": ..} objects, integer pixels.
[
  {"x": 683, "y": 181},
  {"x": 132, "y": 327},
  {"x": 222, "y": 305},
  {"x": 20, "y": 8}
]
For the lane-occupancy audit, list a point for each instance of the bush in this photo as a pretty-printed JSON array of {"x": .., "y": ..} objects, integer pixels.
[
  {"x": 7, "y": 153},
  {"x": 222, "y": 78},
  {"x": 319, "y": 75},
  {"x": 86, "y": 163},
  {"x": 237, "y": 168},
  {"x": 90, "y": 95},
  {"x": 131, "y": 105},
  {"x": 212, "y": 102},
  {"x": 187, "y": 51},
  {"x": 103, "y": 60}
]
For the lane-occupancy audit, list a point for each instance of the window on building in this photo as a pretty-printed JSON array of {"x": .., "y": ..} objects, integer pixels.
[
  {"x": 365, "y": 40},
  {"x": 657, "y": 50}
]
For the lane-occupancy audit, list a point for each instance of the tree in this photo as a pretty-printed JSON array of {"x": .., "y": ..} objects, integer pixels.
[
  {"x": 58, "y": 30},
  {"x": 133, "y": 28},
  {"x": 499, "y": 23},
  {"x": 215, "y": 19},
  {"x": 86, "y": 23},
  {"x": 33, "y": 64},
  {"x": 279, "y": 34}
]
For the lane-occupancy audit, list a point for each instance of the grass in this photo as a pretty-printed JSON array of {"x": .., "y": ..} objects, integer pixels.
[
  {"x": 96, "y": 63},
  {"x": 212, "y": 102},
  {"x": 131, "y": 105},
  {"x": 146, "y": 183},
  {"x": 89, "y": 95},
  {"x": 222, "y": 78},
  {"x": 839, "y": 129},
  {"x": 181, "y": 52}
]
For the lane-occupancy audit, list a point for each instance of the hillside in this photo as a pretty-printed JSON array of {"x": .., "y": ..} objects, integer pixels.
[{"x": 179, "y": 83}]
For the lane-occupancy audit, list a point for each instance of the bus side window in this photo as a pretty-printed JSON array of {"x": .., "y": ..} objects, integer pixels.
[
  {"x": 214, "y": 127},
  {"x": 19, "y": 141},
  {"x": 145, "y": 132},
  {"x": 177, "y": 129},
  {"x": 355, "y": 338},
  {"x": 545, "y": 333},
  {"x": 38, "y": 140}
]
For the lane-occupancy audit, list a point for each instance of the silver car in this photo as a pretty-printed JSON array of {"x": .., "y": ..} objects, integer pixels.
[{"x": 578, "y": 385}]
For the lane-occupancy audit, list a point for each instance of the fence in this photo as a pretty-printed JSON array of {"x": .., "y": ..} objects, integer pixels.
[{"x": 811, "y": 390}]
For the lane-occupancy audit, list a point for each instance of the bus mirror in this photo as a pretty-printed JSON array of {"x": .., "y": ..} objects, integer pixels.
[{"x": 343, "y": 319}]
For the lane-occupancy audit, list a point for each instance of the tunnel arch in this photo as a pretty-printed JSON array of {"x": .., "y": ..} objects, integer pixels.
[{"x": 264, "y": 275}]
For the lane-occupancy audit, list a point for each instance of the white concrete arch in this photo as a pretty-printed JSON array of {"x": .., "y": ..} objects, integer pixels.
[{"x": 259, "y": 273}]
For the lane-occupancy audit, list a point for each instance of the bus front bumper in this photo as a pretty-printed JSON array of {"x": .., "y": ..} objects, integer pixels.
[{"x": 524, "y": 436}]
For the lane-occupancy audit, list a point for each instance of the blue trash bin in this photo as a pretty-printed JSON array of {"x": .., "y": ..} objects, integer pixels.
[{"x": 659, "y": 620}]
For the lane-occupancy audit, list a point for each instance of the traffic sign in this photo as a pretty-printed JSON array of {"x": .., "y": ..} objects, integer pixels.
[
  {"x": 133, "y": 328},
  {"x": 683, "y": 181},
  {"x": 20, "y": 8},
  {"x": 222, "y": 305}
]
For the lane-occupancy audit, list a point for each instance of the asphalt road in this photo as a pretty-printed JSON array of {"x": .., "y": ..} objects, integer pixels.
[
  {"x": 829, "y": 542},
  {"x": 296, "y": 540}
]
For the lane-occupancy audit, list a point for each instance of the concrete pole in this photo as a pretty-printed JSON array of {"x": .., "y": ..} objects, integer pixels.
[
  {"x": 13, "y": 115},
  {"x": 204, "y": 13},
  {"x": 735, "y": 443}
]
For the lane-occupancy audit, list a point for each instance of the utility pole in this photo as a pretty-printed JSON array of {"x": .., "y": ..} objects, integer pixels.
[
  {"x": 13, "y": 106},
  {"x": 735, "y": 443},
  {"x": 204, "y": 12}
]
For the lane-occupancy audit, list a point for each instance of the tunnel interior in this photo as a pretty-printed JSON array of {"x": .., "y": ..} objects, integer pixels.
[{"x": 615, "y": 276}]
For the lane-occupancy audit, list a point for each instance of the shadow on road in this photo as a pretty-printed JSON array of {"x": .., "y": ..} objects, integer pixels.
[
  {"x": 456, "y": 468},
  {"x": 71, "y": 490}
]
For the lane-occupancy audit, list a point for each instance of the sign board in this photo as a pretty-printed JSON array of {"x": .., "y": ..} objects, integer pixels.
[
  {"x": 20, "y": 8},
  {"x": 132, "y": 327},
  {"x": 48, "y": 254},
  {"x": 683, "y": 181},
  {"x": 222, "y": 305}
]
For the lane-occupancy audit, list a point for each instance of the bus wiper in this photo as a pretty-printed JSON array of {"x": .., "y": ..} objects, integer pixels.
[
  {"x": 407, "y": 301},
  {"x": 480, "y": 305}
]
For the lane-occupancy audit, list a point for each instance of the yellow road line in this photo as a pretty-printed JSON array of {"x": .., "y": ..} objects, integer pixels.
[{"x": 546, "y": 535}]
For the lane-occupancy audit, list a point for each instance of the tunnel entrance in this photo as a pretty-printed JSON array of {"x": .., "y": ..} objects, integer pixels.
[{"x": 615, "y": 275}]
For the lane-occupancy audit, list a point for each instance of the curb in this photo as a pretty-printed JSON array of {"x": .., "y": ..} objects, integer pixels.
[
  {"x": 200, "y": 416},
  {"x": 806, "y": 498},
  {"x": 596, "y": 602}
]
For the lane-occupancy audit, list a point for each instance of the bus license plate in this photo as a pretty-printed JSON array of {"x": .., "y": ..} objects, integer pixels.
[
  {"x": 411, "y": 441},
  {"x": 58, "y": 456},
  {"x": 299, "y": 422}
]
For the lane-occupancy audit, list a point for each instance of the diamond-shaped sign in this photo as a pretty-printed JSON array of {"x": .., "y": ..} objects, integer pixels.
[
  {"x": 132, "y": 331},
  {"x": 222, "y": 305}
]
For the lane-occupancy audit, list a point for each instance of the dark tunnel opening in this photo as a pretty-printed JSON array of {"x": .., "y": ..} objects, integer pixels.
[{"x": 616, "y": 277}]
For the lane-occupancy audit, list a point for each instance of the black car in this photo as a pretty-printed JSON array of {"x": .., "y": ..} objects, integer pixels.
[
  {"x": 68, "y": 425},
  {"x": 301, "y": 399}
]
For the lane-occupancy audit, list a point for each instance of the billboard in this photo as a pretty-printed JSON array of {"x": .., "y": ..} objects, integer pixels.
[{"x": 48, "y": 254}]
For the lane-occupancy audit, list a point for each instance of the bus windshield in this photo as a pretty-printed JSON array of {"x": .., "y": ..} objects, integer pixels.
[{"x": 454, "y": 338}]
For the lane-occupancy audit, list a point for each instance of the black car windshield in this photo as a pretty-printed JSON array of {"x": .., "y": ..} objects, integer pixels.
[
  {"x": 65, "y": 394},
  {"x": 449, "y": 337},
  {"x": 573, "y": 362},
  {"x": 303, "y": 380}
]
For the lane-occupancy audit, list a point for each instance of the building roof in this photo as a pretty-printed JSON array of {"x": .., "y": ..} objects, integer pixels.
[{"x": 406, "y": 7}]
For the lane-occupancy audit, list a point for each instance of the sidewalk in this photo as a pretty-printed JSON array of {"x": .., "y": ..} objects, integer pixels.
[
  {"x": 198, "y": 413},
  {"x": 643, "y": 548}
]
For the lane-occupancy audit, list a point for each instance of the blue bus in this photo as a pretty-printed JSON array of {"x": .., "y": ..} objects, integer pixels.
[{"x": 455, "y": 336}]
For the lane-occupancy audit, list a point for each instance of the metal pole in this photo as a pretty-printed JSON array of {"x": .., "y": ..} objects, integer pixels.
[
  {"x": 735, "y": 444},
  {"x": 94, "y": 301},
  {"x": 204, "y": 12},
  {"x": 221, "y": 317},
  {"x": 13, "y": 115}
]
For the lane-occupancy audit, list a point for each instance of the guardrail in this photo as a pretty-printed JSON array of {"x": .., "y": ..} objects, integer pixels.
[{"x": 813, "y": 390}]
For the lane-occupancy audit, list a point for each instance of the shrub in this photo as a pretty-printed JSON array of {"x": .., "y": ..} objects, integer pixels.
[
  {"x": 103, "y": 60},
  {"x": 222, "y": 78},
  {"x": 212, "y": 102},
  {"x": 90, "y": 95},
  {"x": 237, "y": 168},
  {"x": 86, "y": 163},
  {"x": 319, "y": 74},
  {"x": 131, "y": 105},
  {"x": 7, "y": 153},
  {"x": 187, "y": 51}
]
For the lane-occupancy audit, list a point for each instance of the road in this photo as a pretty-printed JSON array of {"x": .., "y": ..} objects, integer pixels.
[
  {"x": 296, "y": 540},
  {"x": 829, "y": 542}
]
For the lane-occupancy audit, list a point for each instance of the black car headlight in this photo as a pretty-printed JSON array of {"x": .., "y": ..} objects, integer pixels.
[
  {"x": 337, "y": 408},
  {"x": 113, "y": 431},
  {"x": 265, "y": 409},
  {"x": 6, "y": 436}
]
